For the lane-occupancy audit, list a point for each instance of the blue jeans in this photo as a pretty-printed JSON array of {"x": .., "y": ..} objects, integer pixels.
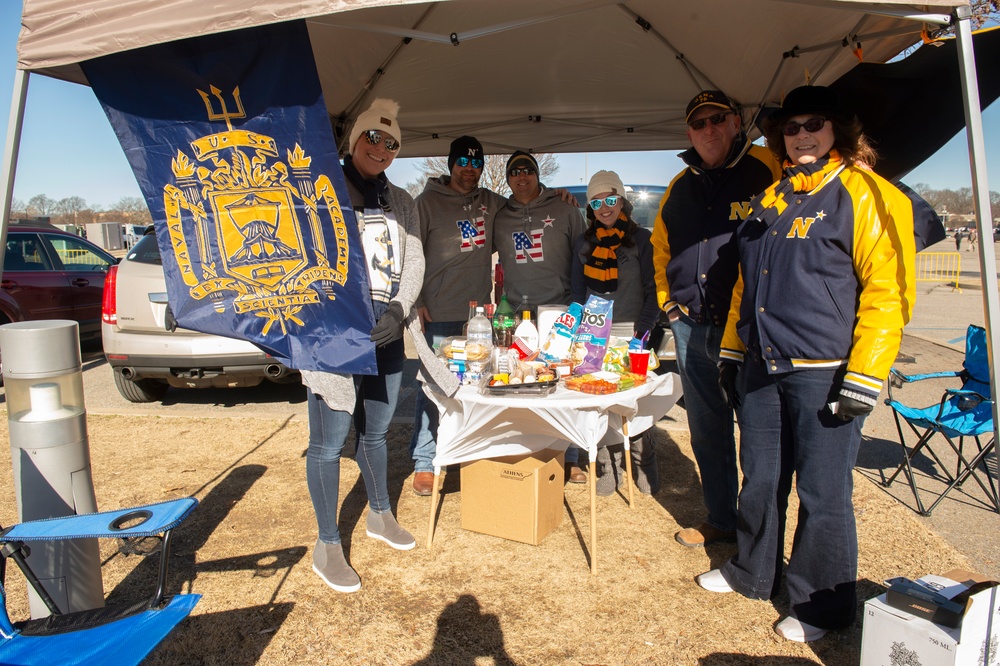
[
  {"x": 710, "y": 419},
  {"x": 786, "y": 429},
  {"x": 376, "y": 402},
  {"x": 423, "y": 443}
]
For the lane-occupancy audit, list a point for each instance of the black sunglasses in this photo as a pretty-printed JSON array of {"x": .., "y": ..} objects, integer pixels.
[
  {"x": 374, "y": 137},
  {"x": 812, "y": 125},
  {"x": 521, "y": 171},
  {"x": 476, "y": 163},
  {"x": 717, "y": 119}
]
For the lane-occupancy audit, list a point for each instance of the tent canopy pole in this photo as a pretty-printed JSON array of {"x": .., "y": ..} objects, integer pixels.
[{"x": 11, "y": 148}]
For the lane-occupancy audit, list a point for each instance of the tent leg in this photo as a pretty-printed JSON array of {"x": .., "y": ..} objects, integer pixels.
[
  {"x": 980, "y": 190},
  {"x": 9, "y": 166}
]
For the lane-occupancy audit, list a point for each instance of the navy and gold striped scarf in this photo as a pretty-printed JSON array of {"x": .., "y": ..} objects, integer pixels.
[
  {"x": 798, "y": 178},
  {"x": 600, "y": 272}
]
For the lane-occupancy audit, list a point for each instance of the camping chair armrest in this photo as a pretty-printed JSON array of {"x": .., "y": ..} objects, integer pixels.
[
  {"x": 894, "y": 373},
  {"x": 141, "y": 521}
]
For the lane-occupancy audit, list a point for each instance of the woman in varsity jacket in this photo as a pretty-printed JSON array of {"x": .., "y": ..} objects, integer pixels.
[{"x": 826, "y": 286}]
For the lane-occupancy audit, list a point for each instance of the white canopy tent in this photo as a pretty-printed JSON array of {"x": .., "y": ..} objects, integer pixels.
[{"x": 544, "y": 75}]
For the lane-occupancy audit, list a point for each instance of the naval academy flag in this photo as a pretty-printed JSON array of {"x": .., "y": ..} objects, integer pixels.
[{"x": 229, "y": 138}]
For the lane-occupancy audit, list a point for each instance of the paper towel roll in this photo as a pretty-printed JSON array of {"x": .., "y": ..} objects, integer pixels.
[{"x": 547, "y": 315}]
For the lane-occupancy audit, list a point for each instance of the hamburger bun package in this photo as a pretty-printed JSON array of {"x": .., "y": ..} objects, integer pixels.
[{"x": 592, "y": 335}]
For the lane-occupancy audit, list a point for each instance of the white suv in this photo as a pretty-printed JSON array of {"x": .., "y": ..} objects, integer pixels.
[{"x": 146, "y": 358}]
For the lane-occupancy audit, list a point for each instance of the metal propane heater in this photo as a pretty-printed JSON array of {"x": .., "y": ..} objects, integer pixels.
[{"x": 50, "y": 453}]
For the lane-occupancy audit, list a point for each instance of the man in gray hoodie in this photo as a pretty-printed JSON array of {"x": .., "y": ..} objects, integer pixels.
[
  {"x": 534, "y": 234},
  {"x": 456, "y": 228}
]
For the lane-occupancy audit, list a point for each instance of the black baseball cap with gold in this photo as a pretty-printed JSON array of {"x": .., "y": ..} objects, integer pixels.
[{"x": 708, "y": 98}]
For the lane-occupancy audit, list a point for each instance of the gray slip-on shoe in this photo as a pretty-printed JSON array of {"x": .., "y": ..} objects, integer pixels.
[
  {"x": 383, "y": 526},
  {"x": 330, "y": 565}
]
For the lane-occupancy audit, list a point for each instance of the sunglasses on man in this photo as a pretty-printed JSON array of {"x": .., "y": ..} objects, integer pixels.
[
  {"x": 521, "y": 171},
  {"x": 374, "y": 137},
  {"x": 717, "y": 119},
  {"x": 607, "y": 201},
  {"x": 475, "y": 163},
  {"x": 812, "y": 126}
]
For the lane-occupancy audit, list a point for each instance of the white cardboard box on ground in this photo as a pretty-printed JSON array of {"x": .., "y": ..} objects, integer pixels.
[{"x": 894, "y": 637}]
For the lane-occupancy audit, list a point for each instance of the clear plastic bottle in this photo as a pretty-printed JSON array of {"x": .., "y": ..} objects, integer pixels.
[
  {"x": 472, "y": 313},
  {"x": 526, "y": 332},
  {"x": 478, "y": 347},
  {"x": 521, "y": 307}
]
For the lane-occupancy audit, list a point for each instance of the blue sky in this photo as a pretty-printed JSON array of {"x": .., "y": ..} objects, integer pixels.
[{"x": 69, "y": 149}]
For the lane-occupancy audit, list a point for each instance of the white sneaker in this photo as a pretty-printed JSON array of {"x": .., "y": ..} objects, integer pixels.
[
  {"x": 796, "y": 630},
  {"x": 713, "y": 581}
]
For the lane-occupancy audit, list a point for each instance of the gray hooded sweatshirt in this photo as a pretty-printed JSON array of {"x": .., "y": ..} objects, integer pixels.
[
  {"x": 457, "y": 234},
  {"x": 535, "y": 244}
]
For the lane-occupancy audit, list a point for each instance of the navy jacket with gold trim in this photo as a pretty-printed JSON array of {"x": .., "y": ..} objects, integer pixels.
[
  {"x": 695, "y": 264},
  {"x": 826, "y": 275}
]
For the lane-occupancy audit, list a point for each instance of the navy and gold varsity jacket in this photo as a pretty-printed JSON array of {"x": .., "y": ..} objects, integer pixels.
[
  {"x": 695, "y": 265},
  {"x": 826, "y": 275}
]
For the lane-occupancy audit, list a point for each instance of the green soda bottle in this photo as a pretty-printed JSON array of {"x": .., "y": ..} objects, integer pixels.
[{"x": 503, "y": 324}]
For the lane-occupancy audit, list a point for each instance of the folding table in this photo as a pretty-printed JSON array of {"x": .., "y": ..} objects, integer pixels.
[{"x": 473, "y": 426}]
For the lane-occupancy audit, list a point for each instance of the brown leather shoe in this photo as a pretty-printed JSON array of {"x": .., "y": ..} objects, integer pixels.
[
  {"x": 574, "y": 474},
  {"x": 423, "y": 482},
  {"x": 703, "y": 535}
]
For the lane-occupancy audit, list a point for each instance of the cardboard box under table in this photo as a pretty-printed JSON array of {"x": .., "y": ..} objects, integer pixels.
[
  {"x": 473, "y": 427},
  {"x": 515, "y": 497},
  {"x": 894, "y": 636}
]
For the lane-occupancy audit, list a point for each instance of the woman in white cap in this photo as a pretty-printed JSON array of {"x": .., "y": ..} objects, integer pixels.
[
  {"x": 613, "y": 259},
  {"x": 390, "y": 231}
]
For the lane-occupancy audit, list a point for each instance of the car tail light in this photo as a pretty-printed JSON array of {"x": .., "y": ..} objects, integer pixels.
[{"x": 109, "y": 304}]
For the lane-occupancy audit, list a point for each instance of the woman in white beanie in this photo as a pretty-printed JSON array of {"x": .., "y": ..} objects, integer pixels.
[
  {"x": 613, "y": 259},
  {"x": 390, "y": 233}
]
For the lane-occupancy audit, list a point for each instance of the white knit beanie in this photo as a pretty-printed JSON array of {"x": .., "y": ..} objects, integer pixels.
[
  {"x": 604, "y": 181},
  {"x": 381, "y": 115}
]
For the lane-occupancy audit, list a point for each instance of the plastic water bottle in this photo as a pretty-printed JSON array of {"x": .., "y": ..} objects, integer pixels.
[{"x": 479, "y": 343}]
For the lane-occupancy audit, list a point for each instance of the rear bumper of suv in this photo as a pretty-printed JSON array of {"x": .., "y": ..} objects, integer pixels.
[
  {"x": 189, "y": 359},
  {"x": 157, "y": 367}
]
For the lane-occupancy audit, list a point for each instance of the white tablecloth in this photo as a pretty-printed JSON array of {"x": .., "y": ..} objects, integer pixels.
[{"x": 473, "y": 426}]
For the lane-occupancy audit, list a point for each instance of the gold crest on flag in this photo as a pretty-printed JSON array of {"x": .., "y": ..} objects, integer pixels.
[{"x": 234, "y": 227}]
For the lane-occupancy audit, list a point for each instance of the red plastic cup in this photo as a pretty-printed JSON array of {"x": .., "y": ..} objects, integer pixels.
[{"x": 639, "y": 361}]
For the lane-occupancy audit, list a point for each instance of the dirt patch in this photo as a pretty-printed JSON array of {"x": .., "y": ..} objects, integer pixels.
[{"x": 472, "y": 599}]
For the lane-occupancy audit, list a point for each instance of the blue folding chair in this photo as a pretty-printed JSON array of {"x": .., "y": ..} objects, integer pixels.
[
  {"x": 960, "y": 414},
  {"x": 119, "y": 635}
]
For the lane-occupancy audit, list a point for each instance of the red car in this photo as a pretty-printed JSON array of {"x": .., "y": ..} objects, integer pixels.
[{"x": 51, "y": 274}]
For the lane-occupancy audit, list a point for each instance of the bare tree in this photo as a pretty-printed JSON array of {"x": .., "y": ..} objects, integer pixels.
[
  {"x": 40, "y": 206},
  {"x": 414, "y": 188},
  {"x": 18, "y": 209},
  {"x": 130, "y": 210},
  {"x": 494, "y": 171}
]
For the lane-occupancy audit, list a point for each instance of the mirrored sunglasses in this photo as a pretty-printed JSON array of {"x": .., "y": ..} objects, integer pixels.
[
  {"x": 521, "y": 171},
  {"x": 475, "y": 163},
  {"x": 608, "y": 201},
  {"x": 717, "y": 119},
  {"x": 374, "y": 137},
  {"x": 812, "y": 125}
]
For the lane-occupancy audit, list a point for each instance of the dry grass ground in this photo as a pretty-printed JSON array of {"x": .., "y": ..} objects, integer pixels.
[{"x": 472, "y": 599}]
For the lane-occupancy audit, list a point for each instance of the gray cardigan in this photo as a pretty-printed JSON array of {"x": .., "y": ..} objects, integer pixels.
[{"x": 337, "y": 390}]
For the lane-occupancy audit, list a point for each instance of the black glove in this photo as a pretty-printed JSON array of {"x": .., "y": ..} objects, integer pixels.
[
  {"x": 390, "y": 325},
  {"x": 728, "y": 370},
  {"x": 849, "y": 408}
]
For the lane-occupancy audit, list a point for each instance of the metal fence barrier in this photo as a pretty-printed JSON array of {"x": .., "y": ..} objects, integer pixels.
[{"x": 939, "y": 267}]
